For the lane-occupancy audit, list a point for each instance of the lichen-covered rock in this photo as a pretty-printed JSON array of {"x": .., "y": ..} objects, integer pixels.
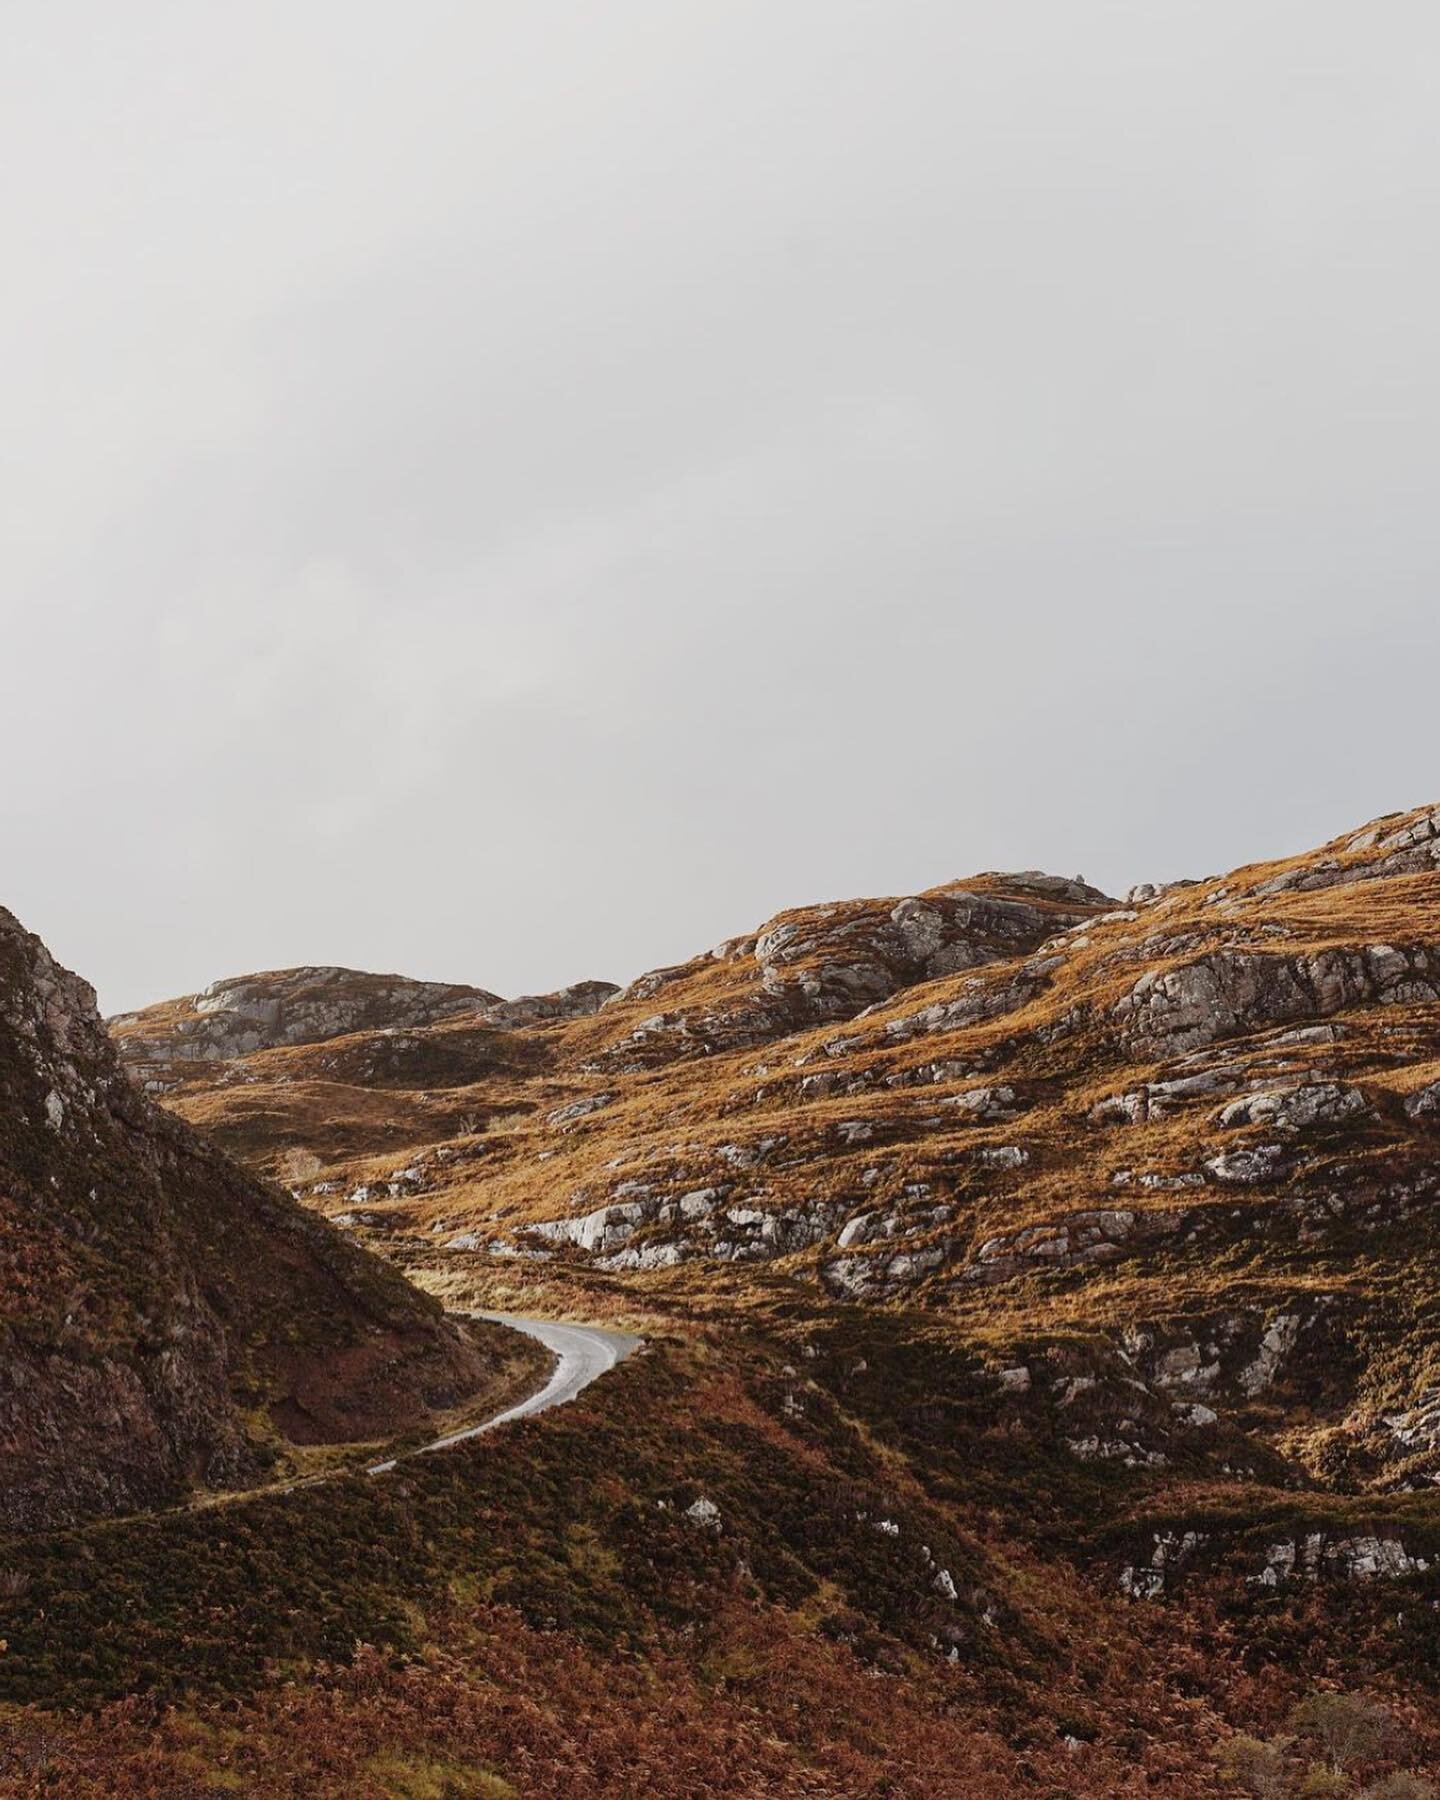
[
  {"x": 1095, "y": 1235},
  {"x": 1337, "y": 1559},
  {"x": 602, "y": 1230},
  {"x": 1147, "y": 1581},
  {"x": 884, "y": 1274},
  {"x": 1231, "y": 1355},
  {"x": 1275, "y": 1347},
  {"x": 1001, "y": 1156},
  {"x": 1418, "y": 1428},
  {"x": 874, "y": 1227},
  {"x": 240, "y": 1016},
  {"x": 578, "y": 1109},
  {"x": 675, "y": 1228},
  {"x": 822, "y": 963},
  {"x": 1171, "y": 1011},
  {"x": 1248, "y": 1167},
  {"x": 1424, "y": 1104},
  {"x": 246, "y": 1014},
  {"x": 1159, "y": 1099},
  {"x": 986, "y": 1103},
  {"x": 1300, "y": 1108},
  {"x": 579, "y": 1001}
]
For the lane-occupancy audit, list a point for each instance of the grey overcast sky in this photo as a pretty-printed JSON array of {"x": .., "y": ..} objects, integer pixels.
[{"x": 514, "y": 492}]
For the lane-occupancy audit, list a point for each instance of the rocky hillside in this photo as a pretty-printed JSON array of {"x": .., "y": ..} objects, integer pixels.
[
  {"x": 168, "y": 1320},
  {"x": 1198, "y": 1124},
  {"x": 1093, "y": 1239}
]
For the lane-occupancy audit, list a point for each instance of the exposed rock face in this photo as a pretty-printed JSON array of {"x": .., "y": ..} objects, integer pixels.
[
  {"x": 249, "y": 1013},
  {"x": 1341, "y": 1559},
  {"x": 699, "y": 1222},
  {"x": 1298, "y": 1108},
  {"x": 151, "y": 1292},
  {"x": 1220, "y": 996},
  {"x": 1095, "y": 1236},
  {"x": 1249, "y": 1167},
  {"x": 1411, "y": 848},
  {"x": 883, "y": 1276},
  {"x": 1424, "y": 1105},
  {"x": 1236, "y": 1353},
  {"x": 828, "y": 963},
  {"x": 1417, "y": 1429},
  {"x": 1316, "y": 1557},
  {"x": 456, "y": 1053},
  {"x": 1147, "y": 1581},
  {"x": 1159, "y": 1099},
  {"x": 577, "y": 1002}
]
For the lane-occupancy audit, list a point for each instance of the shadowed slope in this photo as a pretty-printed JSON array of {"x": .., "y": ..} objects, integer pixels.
[{"x": 161, "y": 1310}]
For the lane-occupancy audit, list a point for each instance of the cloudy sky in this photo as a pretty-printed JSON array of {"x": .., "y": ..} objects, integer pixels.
[{"x": 517, "y": 490}]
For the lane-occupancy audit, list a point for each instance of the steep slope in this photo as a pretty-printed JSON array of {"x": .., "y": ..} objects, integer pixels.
[{"x": 165, "y": 1317}]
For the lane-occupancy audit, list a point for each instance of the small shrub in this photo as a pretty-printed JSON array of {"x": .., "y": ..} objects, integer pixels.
[
  {"x": 1401, "y": 1786},
  {"x": 1320, "y": 1781},
  {"x": 298, "y": 1166}
]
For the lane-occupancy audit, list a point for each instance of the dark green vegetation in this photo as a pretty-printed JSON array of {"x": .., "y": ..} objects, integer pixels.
[{"x": 901, "y": 1517}]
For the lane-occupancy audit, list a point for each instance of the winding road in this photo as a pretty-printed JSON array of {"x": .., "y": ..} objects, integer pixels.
[{"x": 583, "y": 1353}]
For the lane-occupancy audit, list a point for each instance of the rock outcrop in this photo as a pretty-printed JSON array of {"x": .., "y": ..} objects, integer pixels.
[
  {"x": 246, "y": 1014},
  {"x": 579, "y": 1001},
  {"x": 1171, "y": 1011},
  {"x": 823, "y": 964}
]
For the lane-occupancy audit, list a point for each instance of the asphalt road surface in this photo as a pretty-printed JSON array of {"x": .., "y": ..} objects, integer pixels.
[{"x": 583, "y": 1353}]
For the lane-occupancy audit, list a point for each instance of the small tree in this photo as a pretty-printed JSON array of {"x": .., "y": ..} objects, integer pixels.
[
  {"x": 1345, "y": 1728},
  {"x": 1256, "y": 1767}
]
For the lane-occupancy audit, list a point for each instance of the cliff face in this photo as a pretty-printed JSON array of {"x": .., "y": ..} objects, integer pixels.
[{"x": 162, "y": 1313}]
